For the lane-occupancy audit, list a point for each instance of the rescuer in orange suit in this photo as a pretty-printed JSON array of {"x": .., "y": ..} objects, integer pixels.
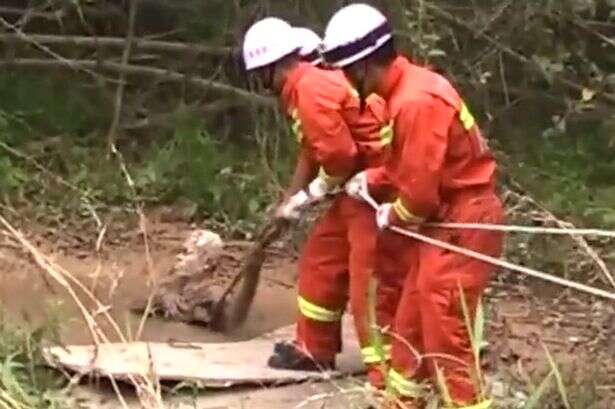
[
  {"x": 337, "y": 139},
  {"x": 443, "y": 172}
]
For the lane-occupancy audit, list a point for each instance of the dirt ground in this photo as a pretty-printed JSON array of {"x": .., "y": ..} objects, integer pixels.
[{"x": 524, "y": 316}]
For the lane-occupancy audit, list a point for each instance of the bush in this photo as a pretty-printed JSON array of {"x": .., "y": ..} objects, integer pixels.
[{"x": 25, "y": 381}]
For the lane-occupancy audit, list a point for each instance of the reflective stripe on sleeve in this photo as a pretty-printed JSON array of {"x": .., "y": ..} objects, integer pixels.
[
  {"x": 297, "y": 127},
  {"x": 386, "y": 134},
  {"x": 403, "y": 212},
  {"x": 466, "y": 118}
]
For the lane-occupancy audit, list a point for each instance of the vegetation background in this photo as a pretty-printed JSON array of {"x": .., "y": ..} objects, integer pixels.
[
  {"x": 540, "y": 75},
  {"x": 111, "y": 105}
]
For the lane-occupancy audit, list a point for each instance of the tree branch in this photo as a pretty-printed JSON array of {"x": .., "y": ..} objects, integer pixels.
[
  {"x": 118, "y": 42},
  {"x": 119, "y": 93},
  {"x": 131, "y": 69}
]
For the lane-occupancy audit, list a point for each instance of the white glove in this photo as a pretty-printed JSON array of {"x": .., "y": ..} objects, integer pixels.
[
  {"x": 292, "y": 208},
  {"x": 383, "y": 215},
  {"x": 357, "y": 187},
  {"x": 317, "y": 190}
]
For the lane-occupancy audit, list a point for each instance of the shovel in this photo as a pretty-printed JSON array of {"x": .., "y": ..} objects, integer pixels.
[{"x": 227, "y": 317}]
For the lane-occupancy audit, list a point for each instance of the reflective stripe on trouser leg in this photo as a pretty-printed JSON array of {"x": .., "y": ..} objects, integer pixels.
[
  {"x": 403, "y": 387},
  {"x": 486, "y": 404},
  {"x": 318, "y": 313},
  {"x": 376, "y": 355}
]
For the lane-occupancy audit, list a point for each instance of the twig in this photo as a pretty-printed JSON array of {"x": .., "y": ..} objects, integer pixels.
[
  {"x": 608, "y": 40},
  {"x": 150, "y": 270},
  {"x": 168, "y": 75},
  {"x": 496, "y": 16},
  {"x": 579, "y": 240},
  {"x": 119, "y": 93},
  {"x": 504, "y": 82}
]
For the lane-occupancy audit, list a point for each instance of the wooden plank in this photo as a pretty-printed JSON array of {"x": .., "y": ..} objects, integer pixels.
[{"x": 219, "y": 365}]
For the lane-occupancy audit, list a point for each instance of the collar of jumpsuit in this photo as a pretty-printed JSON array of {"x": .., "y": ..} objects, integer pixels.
[
  {"x": 392, "y": 76},
  {"x": 291, "y": 82}
]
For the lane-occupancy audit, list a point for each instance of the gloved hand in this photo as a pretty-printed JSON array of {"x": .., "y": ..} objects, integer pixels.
[
  {"x": 317, "y": 190},
  {"x": 384, "y": 215},
  {"x": 357, "y": 187},
  {"x": 292, "y": 208}
]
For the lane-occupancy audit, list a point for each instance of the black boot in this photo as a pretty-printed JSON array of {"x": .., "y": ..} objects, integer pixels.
[{"x": 286, "y": 355}]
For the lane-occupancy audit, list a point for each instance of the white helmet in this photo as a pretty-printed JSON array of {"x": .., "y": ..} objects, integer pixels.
[
  {"x": 310, "y": 45},
  {"x": 354, "y": 32},
  {"x": 267, "y": 41}
]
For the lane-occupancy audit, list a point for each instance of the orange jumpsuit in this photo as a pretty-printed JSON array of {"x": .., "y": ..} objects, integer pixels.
[
  {"x": 338, "y": 258},
  {"x": 443, "y": 171}
]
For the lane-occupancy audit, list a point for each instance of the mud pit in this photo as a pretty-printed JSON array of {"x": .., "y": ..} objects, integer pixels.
[
  {"x": 120, "y": 279},
  {"x": 577, "y": 330}
]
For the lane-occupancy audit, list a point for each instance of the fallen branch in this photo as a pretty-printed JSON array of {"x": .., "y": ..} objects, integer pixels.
[
  {"x": 578, "y": 239},
  {"x": 14, "y": 11},
  {"x": 118, "y": 42},
  {"x": 19, "y": 33},
  {"x": 131, "y": 69}
]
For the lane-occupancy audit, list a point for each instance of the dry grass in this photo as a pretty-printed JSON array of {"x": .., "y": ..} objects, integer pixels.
[{"x": 147, "y": 385}]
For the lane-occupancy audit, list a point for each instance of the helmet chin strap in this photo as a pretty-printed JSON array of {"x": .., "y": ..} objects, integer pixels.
[
  {"x": 361, "y": 89},
  {"x": 270, "y": 76}
]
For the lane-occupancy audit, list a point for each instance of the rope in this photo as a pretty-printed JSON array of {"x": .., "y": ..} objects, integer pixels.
[
  {"x": 510, "y": 228},
  {"x": 492, "y": 260}
]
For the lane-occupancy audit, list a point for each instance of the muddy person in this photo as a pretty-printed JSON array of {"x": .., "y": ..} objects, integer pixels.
[
  {"x": 338, "y": 137},
  {"x": 442, "y": 171}
]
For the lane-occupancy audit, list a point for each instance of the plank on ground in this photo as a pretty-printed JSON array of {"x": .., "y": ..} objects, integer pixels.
[{"x": 219, "y": 365}]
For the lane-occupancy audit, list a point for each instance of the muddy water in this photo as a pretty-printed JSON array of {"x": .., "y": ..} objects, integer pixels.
[{"x": 119, "y": 280}]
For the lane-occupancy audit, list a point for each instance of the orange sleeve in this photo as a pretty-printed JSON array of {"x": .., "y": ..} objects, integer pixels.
[
  {"x": 325, "y": 132},
  {"x": 423, "y": 126}
]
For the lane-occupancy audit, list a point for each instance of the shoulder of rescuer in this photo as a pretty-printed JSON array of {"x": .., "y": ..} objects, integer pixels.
[
  {"x": 325, "y": 113},
  {"x": 438, "y": 147},
  {"x": 323, "y": 95}
]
